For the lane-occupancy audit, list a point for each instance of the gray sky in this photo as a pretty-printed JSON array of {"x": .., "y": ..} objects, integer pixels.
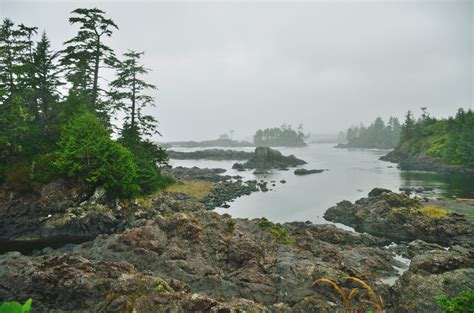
[{"x": 244, "y": 66}]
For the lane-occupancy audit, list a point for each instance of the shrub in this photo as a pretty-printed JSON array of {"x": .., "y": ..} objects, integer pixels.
[
  {"x": 44, "y": 169},
  {"x": 19, "y": 177},
  {"x": 88, "y": 154},
  {"x": 462, "y": 303}
]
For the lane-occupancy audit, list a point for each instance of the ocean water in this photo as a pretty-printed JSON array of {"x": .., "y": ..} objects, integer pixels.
[{"x": 350, "y": 175}]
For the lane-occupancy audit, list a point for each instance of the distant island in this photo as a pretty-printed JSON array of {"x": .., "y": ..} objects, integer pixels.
[
  {"x": 379, "y": 135},
  {"x": 283, "y": 136},
  {"x": 208, "y": 143},
  {"x": 441, "y": 145}
]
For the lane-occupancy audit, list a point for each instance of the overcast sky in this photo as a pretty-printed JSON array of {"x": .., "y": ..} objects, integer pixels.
[{"x": 244, "y": 66}]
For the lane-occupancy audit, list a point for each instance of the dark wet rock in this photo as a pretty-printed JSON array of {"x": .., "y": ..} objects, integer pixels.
[
  {"x": 378, "y": 191},
  {"x": 200, "y": 255},
  {"x": 303, "y": 171},
  {"x": 433, "y": 273},
  {"x": 75, "y": 283},
  {"x": 226, "y": 191},
  {"x": 267, "y": 158},
  {"x": 210, "y": 154},
  {"x": 196, "y": 173},
  {"x": 398, "y": 217}
]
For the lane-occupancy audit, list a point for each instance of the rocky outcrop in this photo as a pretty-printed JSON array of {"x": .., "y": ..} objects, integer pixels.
[
  {"x": 303, "y": 171},
  {"x": 267, "y": 158},
  {"x": 433, "y": 273},
  {"x": 210, "y": 154},
  {"x": 176, "y": 255},
  {"x": 196, "y": 173},
  {"x": 400, "y": 218},
  {"x": 422, "y": 162}
]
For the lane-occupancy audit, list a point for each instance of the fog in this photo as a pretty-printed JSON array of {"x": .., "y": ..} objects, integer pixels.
[{"x": 244, "y": 66}]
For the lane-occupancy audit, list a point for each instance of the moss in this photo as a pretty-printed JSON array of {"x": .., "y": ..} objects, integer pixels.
[
  {"x": 195, "y": 189},
  {"x": 434, "y": 211}
]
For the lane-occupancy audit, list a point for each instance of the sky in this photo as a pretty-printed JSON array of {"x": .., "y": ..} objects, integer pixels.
[{"x": 245, "y": 65}]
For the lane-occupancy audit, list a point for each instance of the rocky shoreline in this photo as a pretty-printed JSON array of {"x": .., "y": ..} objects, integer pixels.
[
  {"x": 170, "y": 253},
  {"x": 399, "y": 217},
  {"x": 423, "y": 163}
]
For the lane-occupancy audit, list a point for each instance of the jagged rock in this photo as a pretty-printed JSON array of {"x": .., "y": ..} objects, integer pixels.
[{"x": 397, "y": 217}]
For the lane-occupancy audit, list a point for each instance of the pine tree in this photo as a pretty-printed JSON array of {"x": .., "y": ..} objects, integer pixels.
[
  {"x": 128, "y": 95},
  {"x": 46, "y": 79},
  {"x": 86, "y": 53}
]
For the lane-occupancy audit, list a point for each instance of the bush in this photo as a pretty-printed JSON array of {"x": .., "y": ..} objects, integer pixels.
[
  {"x": 19, "y": 177},
  {"x": 462, "y": 303},
  {"x": 44, "y": 169},
  {"x": 149, "y": 158},
  {"x": 88, "y": 154}
]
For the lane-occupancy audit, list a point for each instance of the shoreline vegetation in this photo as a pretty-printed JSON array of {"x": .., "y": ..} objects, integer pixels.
[{"x": 440, "y": 145}]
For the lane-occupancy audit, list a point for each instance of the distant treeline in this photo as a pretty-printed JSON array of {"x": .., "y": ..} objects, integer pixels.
[
  {"x": 451, "y": 140},
  {"x": 284, "y": 136},
  {"x": 377, "y": 136}
]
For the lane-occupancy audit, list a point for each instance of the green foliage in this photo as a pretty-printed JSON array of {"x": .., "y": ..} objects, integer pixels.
[
  {"x": 16, "y": 307},
  {"x": 19, "y": 177},
  {"x": 451, "y": 140},
  {"x": 90, "y": 155},
  {"x": 127, "y": 94},
  {"x": 149, "y": 159},
  {"x": 44, "y": 135},
  {"x": 462, "y": 303},
  {"x": 283, "y": 136},
  {"x": 376, "y": 136},
  {"x": 277, "y": 231},
  {"x": 86, "y": 53}
]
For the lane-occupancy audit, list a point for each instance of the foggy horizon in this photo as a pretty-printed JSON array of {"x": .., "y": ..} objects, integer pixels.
[{"x": 245, "y": 66}]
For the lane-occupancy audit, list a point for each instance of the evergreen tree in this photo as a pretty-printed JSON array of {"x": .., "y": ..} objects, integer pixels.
[
  {"x": 128, "y": 95},
  {"x": 46, "y": 79},
  {"x": 86, "y": 53}
]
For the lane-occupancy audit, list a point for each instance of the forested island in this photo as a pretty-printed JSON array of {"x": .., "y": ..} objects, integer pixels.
[
  {"x": 444, "y": 145},
  {"x": 379, "y": 135},
  {"x": 283, "y": 136}
]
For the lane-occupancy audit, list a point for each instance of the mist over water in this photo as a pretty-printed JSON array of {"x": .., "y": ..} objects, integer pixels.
[{"x": 351, "y": 174}]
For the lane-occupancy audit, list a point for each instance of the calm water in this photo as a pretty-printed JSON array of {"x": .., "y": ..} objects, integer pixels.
[{"x": 351, "y": 175}]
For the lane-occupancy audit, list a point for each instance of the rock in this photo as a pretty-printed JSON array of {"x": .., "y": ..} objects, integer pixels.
[
  {"x": 398, "y": 217},
  {"x": 267, "y": 158},
  {"x": 303, "y": 171},
  {"x": 431, "y": 274},
  {"x": 378, "y": 191}
]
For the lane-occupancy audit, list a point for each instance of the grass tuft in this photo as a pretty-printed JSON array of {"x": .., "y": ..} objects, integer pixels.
[
  {"x": 195, "y": 189},
  {"x": 375, "y": 299}
]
